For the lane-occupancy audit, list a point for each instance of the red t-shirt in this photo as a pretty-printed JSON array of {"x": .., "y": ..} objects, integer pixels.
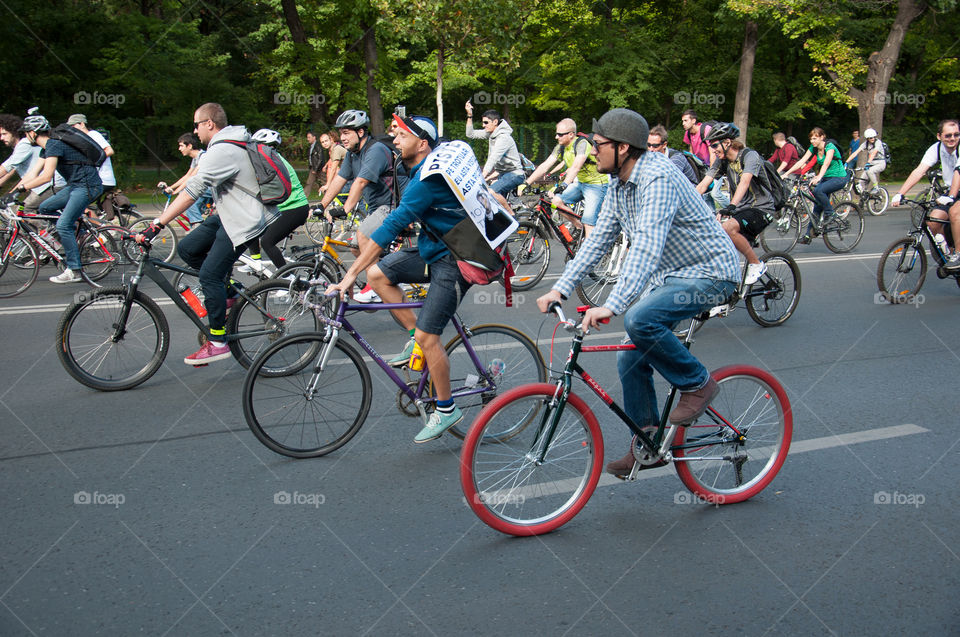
[{"x": 785, "y": 153}]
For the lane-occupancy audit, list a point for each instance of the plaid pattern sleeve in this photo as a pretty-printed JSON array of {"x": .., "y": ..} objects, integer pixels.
[{"x": 671, "y": 231}]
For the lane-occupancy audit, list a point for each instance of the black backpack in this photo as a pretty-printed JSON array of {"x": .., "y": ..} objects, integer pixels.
[
  {"x": 699, "y": 168},
  {"x": 771, "y": 181},
  {"x": 800, "y": 149},
  {"x": 273, "y": 178},
  {"x": 80, "y": 142}
]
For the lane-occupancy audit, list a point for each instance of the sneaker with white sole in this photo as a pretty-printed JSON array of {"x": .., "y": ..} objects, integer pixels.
[
  {"x": 438, "y": 424},
  {"x": 367, "y": 295},
  {"x": 67, "y": 276},
  {"x": 754, "y": 272},
  {"x": 403, "y": 357},
  {"x": 253, "y": 266},
  {"x": 208, "y": 354}
]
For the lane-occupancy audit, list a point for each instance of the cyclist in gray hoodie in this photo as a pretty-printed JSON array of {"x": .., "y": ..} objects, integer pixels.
[
  {"x": 214, "y": 245},
  {"x": 503, "y": 158}
]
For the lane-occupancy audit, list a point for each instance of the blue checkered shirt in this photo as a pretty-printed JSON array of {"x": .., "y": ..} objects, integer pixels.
[{"x": 671, "y": 230}]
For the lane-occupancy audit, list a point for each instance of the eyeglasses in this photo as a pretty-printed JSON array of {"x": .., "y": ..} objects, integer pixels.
[
  {"x": 597, "y": 144},
  {"x": 649, "y": 145},
  {"x": 196, "y": 125},
  {"x": 949, "y": 135},
  {"x": 558, "y": 135},
  {"x": 486, "y": 121},
  {"x": 715, "y": 145}
]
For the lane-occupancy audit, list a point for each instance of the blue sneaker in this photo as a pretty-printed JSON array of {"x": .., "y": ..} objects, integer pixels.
[
  {"x": 403, "y": 357},
  {"x": 437, "y": 424}
]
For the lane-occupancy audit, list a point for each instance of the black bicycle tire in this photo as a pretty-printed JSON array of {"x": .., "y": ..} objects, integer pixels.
[
  {"x": 883, "y": 286},
  {"x": 6, "y": 236},
  {"x": 527, "y": 229},
  {"x": 794, "y": 269}
]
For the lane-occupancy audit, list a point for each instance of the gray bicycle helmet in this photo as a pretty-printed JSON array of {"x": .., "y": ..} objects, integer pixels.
[
  {"x": 267, "y": 136},
  {"x": 352, "y": 119},
  {"x": 722, "y": 130},
  {"x": 37, "y": 123},
  {"x": 623, "y": 125}
]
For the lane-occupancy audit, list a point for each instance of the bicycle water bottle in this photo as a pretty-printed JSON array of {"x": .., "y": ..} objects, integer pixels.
[
  {"x": 941, "y": 242},
  {"x": 416, "y": 358},
  {"x": 565, "y": 232},
  {"x": 195, "y": 303}
]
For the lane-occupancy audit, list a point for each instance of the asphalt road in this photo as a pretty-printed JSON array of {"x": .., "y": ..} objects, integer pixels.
[{"x": 155, "y": 511}]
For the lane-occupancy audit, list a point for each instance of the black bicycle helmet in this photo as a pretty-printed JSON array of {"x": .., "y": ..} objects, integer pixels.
[
  {"x": 722, "y": 130},
  {"x": 352, "y": 119}
]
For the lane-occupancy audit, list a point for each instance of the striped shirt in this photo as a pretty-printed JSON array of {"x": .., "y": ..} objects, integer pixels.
[{"x": 671, "y": 231}]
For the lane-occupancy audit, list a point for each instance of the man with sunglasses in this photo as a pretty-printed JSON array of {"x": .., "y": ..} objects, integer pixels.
[
  {"x": 213, "y": 246},
  {"x": 430, "y": 201},
  {"x": 657, "y": 142},
  {"x": 680, "y": 259},
  {"x": 751, "y": 206},
  {"x": 503, "y": 166},
  {"x": 581, "y": 180},
  {"x": 944, "y": 151}
]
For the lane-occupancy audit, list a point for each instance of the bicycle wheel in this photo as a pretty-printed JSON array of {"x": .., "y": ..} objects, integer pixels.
[
  {"x": 782, "y": 233},
  {"x": 844, "y": 233},
  {"x": 901, "y": 271},
  {"x": 98, "y": 253},
  {"x": 504, "y": 482},
  {"x": 878, "y": 201},
  {"x": 507, "y": 356},
  {"x": 89, "y": 350},
  {"x": 773, "y": 299},
  {"x": 529, "y": 248},
  {"x": 19, "y": 264},
  {"x": 306, "y": 412},
  {"x": 285, "y": 314},
  {"x": 316, "y": 226},
  {"x": 737, "y": 447},
  {"x": 164, "y": 245},
  {"x": 597, "y": 284}
]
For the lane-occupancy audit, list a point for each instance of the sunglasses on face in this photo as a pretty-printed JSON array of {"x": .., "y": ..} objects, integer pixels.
[
  {"x": 196, "y": 125},
  {"x": 486, "y": 121},
  {"x": 649, "y": 145},
  {"x": 563, "y": 134},
  {"x": 950, "y": 135},
  {"x": 715, "y": 145}
]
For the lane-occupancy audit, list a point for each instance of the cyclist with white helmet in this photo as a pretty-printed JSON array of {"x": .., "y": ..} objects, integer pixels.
[
  {"x": 877, "y": 156},
  {"x": 83, "y": 186},
  {"x": 293, "y": 212},
  {"x": 680, "y": 263},
  {"x": 751, "y": 206}
]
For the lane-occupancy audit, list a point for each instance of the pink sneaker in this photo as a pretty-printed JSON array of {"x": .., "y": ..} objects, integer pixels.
[{"x": 208, "y": 354}]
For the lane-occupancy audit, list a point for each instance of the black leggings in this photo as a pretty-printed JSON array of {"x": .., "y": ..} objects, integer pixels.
[{"x": 287, "y": 222}]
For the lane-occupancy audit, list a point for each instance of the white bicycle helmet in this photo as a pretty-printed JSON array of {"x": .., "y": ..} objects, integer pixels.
[
  {"x": 35, "y": 123},
  {"x": 352, "y": 119},
  {"x": 267, "y": 136},
  {"x": 869, "y": 133}
]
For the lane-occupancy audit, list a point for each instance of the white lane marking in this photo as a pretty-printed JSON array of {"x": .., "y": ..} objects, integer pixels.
[{"x": 797, "y": 446}]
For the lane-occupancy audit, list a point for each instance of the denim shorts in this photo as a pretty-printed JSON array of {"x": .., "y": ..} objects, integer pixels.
[{"x": 446, "y": 290}]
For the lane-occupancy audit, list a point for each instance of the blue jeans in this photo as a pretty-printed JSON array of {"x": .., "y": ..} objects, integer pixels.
[
  {"x": 506, "y": 183},
  {"x": 195, "y": 211},
  {"x": 649, "y": 324},
  {"x": 821, "y": 193},
  {"x": 71, "y": 200},
  {"x": 592, "y": 196},
  {"x": 208, "y": 249}
]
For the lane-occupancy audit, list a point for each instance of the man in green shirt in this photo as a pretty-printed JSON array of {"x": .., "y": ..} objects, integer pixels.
[{"x": 581, "y": 180}]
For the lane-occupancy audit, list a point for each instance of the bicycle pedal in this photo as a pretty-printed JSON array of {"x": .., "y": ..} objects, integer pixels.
[
  {"x": 720, "y": 310},
  {"x": 203, "y": 365}
]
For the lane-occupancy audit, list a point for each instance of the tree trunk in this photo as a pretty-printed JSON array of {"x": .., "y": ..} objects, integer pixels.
[
  {"x": 872, "y": 99},
  {"x": 319, "y": 110},
  {"x": 440, "y": 60},
  {"x": 741, "y": 105},
  {"x": 373, "y": 93}
]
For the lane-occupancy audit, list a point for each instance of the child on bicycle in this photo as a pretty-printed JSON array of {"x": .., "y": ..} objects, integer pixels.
[{"x": 878, "y": 154}]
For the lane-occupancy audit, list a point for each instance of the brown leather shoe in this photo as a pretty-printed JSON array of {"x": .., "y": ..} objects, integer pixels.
[
  {"x": 622, "y": 467},
  {"x": 692, "y": 404}
]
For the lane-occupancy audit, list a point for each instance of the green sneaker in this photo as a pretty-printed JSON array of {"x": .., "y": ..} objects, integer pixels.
[
  {"x": 437, "y": 424},
  {"x": 403, "y": 357}
]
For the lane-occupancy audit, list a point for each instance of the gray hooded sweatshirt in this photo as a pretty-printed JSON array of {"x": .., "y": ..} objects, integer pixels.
[
  {"x": 226, "y": 169},
  {"x": 503, "y": 155}
]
